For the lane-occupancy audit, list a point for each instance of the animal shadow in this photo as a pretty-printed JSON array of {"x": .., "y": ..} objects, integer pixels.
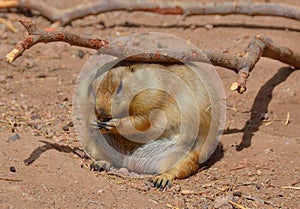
[{"x": 217, "y": 155}]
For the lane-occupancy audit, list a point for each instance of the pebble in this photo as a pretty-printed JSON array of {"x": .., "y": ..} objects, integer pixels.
[
  {"x": 80, "y": 54},
  {"x": 12, "y": 169},
  {"x": 35, "y": 116},
  {"x": 42, "y": 75},
  {"x": 208, "y": 26},
  {"x": 149, "y": 182},
  {"x": 123, "y": 171},
  {"x": 66, "y": 128},
  {"x": 14, "y": 137},
  {"x": 71, "y": 124},
  {"x": 222, "y": 202},
  {"x": 237, "y": 194}
]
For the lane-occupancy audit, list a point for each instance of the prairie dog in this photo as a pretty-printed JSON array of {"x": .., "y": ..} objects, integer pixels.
[{"x": 152, "y": 118}]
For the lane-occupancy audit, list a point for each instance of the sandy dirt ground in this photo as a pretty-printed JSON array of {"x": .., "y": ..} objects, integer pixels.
[{"x": 256, "y": 165}]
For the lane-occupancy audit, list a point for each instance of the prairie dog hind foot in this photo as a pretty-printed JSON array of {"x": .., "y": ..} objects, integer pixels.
[{"x": 163, "y": 181}]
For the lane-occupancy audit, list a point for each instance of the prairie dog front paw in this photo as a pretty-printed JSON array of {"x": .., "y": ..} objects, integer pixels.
[{"x": 101, "y": 165}]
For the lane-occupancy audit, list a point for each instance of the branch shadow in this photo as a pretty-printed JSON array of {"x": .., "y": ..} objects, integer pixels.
[
  {"x": 197, "y": 25},
  {"x": 49, "y": 146},
  {"x": 260, "y": 106}
]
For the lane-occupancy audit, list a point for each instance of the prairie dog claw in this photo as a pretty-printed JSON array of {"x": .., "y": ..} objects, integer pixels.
[{"x": 109, "y": 125}]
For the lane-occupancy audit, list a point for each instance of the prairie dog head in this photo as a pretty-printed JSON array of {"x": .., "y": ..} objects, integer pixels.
[
  {"x": 131, "y": 88},
  {"x": 106, "y": 87}
]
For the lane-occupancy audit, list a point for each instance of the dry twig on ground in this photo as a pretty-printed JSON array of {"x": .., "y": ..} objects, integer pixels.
[
  {"x": 258, "y": 47},
  {"x": 65, "y": 16}
]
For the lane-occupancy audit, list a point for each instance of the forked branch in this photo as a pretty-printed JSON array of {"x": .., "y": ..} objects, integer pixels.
[
  {"x": 65, "y": 16},
  {"x": 258, "y": 47}
]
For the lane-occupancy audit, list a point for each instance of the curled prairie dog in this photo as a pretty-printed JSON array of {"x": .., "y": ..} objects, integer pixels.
[{"x": 153, "y": 118}]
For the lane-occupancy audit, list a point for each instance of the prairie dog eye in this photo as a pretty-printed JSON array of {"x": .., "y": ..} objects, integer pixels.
[{"x": 120, "y": 87}]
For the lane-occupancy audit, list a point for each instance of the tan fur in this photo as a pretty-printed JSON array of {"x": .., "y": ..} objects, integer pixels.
[{"x": 165, "y": 150}]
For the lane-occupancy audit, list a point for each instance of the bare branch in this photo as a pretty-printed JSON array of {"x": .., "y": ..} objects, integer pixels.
[
  {"x": 65, "y": 16},
  {"x": 37, "y": 35},
  {"x": 258, "y": 47}
]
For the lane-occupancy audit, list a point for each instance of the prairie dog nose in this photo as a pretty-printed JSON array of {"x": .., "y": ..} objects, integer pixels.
[{"x": 103, "y": 115}]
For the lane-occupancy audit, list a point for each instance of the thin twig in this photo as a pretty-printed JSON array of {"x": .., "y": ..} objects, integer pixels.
[
  {"x": 236, "y": 205},
  {"x": 9, "y": 179},
  {"x": 167, "y": 204},
  {"x": 256, "y": 199},
  {"x": 287, "y": 119},
  {"x": 290, "y": 187},
  {"x": 237, "y": 168}
]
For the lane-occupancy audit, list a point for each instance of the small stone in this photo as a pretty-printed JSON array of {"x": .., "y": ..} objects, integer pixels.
[
  {"x": 237, "y": 194},
  {"x": 35, "y": 116},
  {"x": 66, "y": 128},
  {"x": 65, "y": 99},
  {"x": 222, "y": 202},
  {"x": 71, "y": 124},
  {"x": 12, "y": 169},
  {"x": 14, "y": 137},
  {"x": 42, "y": 75},
  {"x": 123, "y": 171},
  {"x": 80, "y": 54},
  {"x": 149, "y": 182},
  {"x": 209, "y": 26},
  {"x": 10, "y": 77}
]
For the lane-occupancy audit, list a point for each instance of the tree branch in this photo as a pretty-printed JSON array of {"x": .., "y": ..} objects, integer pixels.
[
  {"x": 37, "y": 35},
  {"x": 65, "y": 16},
  {"x": 258, "y": 47}
]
